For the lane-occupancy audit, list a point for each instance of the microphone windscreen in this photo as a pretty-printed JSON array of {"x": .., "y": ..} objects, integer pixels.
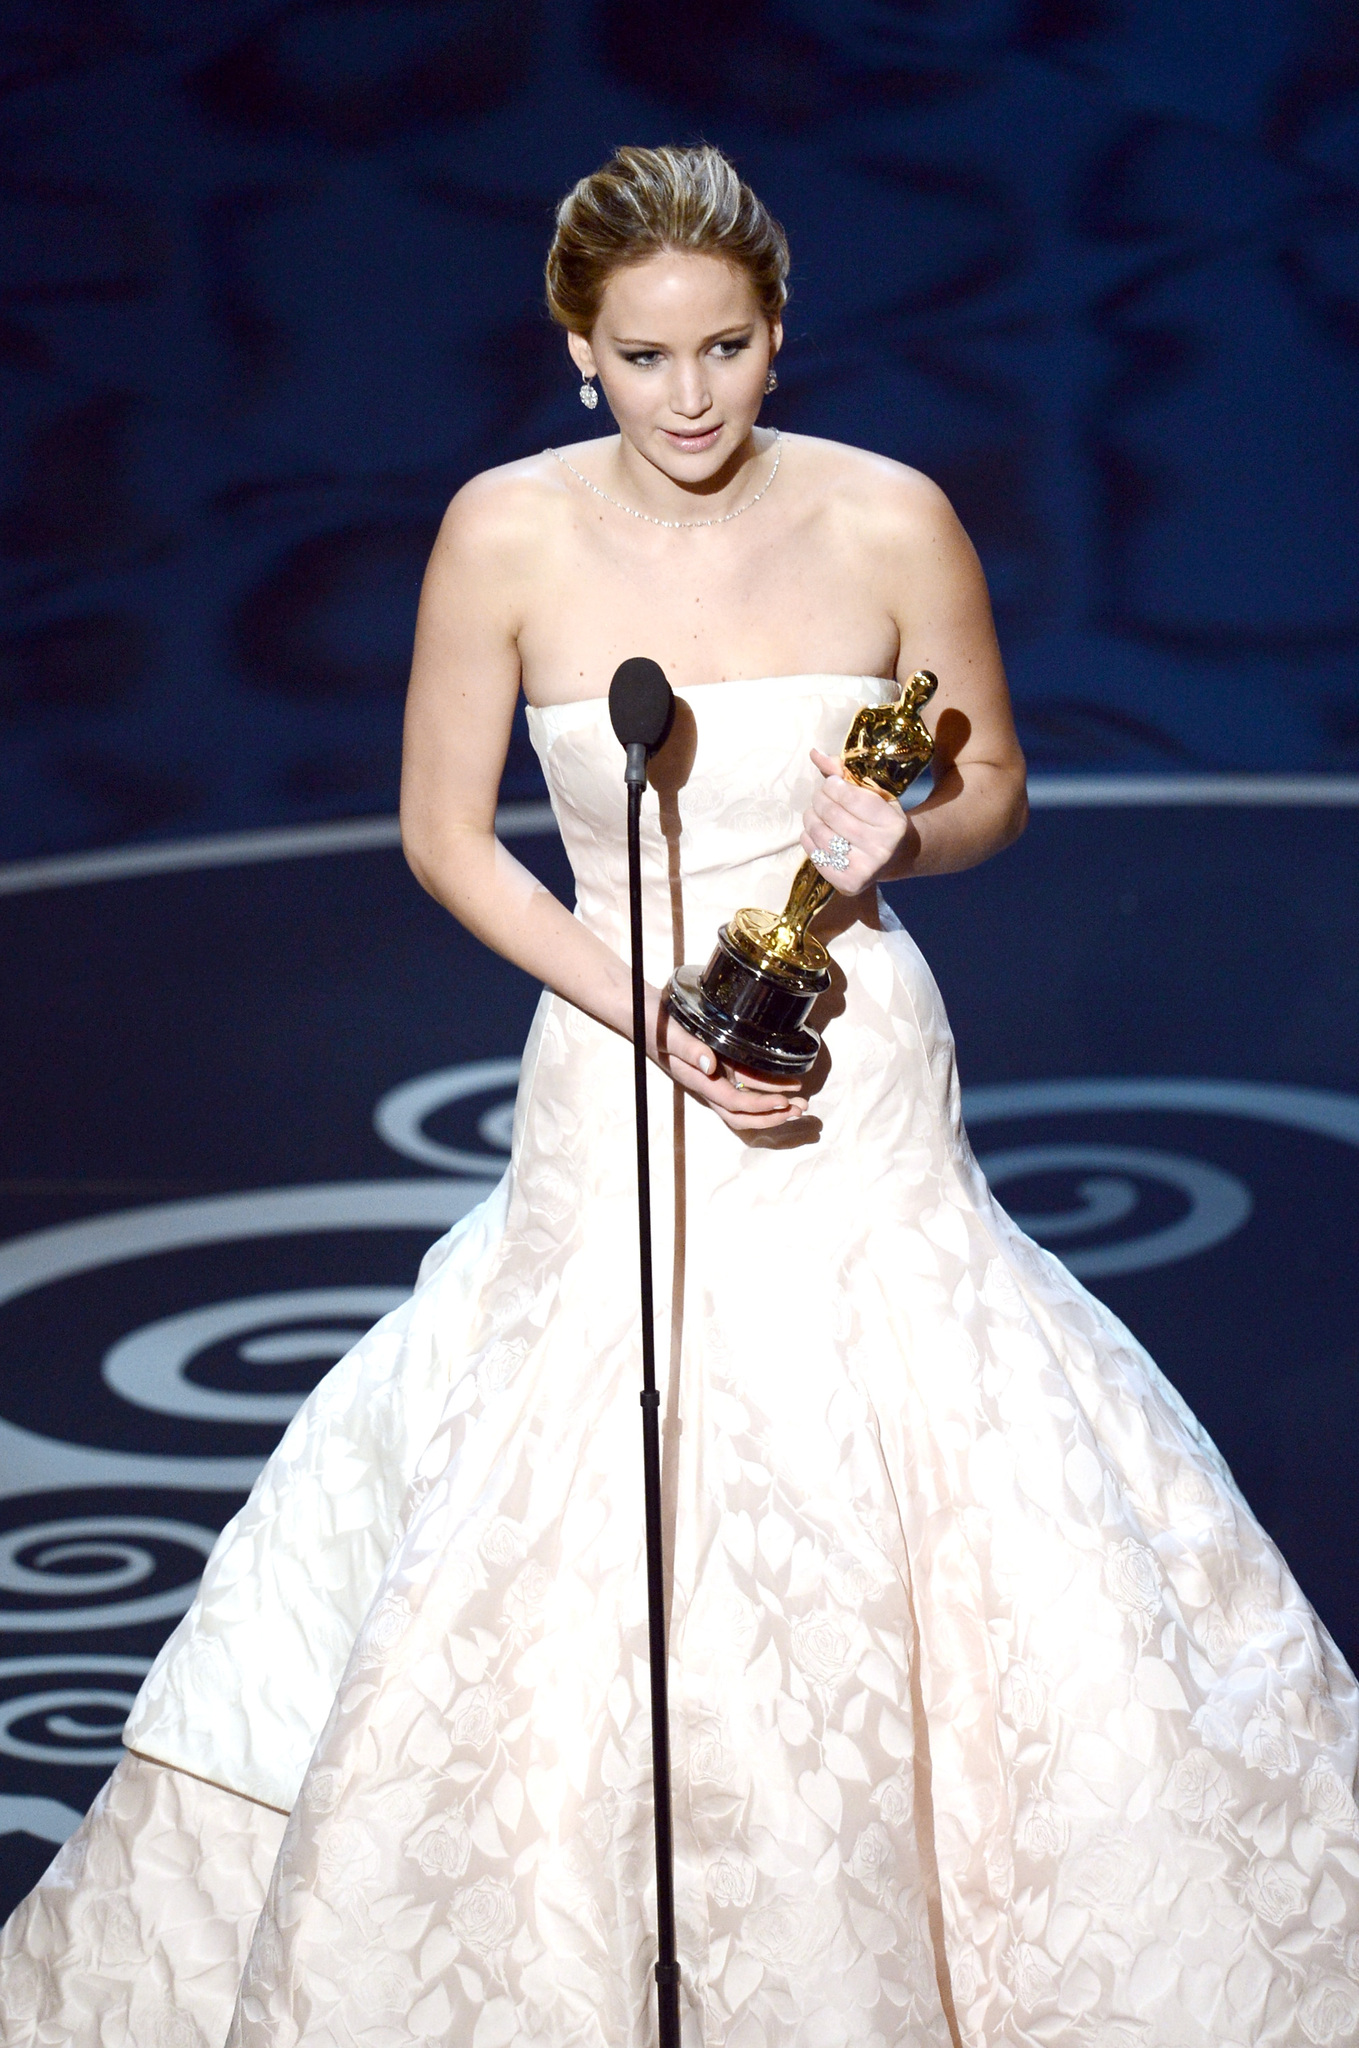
[{"x": 641, "y": 703}]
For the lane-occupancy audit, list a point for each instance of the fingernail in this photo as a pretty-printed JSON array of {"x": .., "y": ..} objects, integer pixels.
[{"x": 706, "y": 1063}]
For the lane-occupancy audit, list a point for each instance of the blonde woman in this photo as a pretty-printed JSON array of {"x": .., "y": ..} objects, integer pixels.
[{"x": 996, "y": 1717}]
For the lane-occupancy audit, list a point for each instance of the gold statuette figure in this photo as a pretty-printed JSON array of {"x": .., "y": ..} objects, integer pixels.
[{"x": 752, "y": 1000}]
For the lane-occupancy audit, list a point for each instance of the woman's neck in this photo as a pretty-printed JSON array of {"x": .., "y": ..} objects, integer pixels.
[{"x": 644, "y": 483}]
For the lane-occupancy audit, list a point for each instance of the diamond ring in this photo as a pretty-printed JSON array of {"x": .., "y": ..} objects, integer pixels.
[{"x": 836, "y": 855}]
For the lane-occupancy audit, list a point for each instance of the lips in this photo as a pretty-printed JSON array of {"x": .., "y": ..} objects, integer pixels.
[{"x": 692, "y": 444}]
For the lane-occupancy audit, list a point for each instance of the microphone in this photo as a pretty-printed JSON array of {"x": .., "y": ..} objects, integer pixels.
[{"x": 642, "y": 708}]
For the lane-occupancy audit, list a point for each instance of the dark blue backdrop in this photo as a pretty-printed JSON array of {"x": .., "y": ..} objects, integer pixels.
[{"x": 271, "y": 292}]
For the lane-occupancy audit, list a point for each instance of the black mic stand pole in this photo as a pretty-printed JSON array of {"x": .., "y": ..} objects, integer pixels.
[{"x": 667, "y": 1965}]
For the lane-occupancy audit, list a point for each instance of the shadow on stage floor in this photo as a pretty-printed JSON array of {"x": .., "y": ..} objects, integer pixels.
[{"x": 1157, "y": 1012}]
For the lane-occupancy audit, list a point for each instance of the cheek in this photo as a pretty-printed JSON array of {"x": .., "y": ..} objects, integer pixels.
[
  {"x": 634, "y": 400},
  {"x": 744, "y": 380}
]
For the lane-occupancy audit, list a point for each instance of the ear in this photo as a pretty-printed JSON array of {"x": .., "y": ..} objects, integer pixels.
[
  {"x": 582, "y": 355},
  {"x": 775, "y": 337}
]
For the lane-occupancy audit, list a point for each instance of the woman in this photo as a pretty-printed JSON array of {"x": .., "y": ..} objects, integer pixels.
[{"x": 996, "y": 1716}]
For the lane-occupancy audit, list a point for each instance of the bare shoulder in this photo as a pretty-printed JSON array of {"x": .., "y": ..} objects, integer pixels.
[
  {"x": 875, "y": 496},
  {"x": 502, "y": 517}
]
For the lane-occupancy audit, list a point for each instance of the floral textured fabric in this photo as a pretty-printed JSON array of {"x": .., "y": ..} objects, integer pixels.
[
  {"x": 996, "y": 1717},
  {"x": 136, "y": 1936}
]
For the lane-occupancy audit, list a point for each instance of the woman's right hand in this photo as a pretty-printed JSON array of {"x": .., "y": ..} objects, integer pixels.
[{"x": 757, "y": 1104}]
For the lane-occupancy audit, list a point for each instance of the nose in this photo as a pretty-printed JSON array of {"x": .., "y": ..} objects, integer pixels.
[{"x": 689, "y": 395}]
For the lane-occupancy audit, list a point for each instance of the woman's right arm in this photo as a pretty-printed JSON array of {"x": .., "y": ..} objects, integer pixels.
[{"x": 459, "y": 710}]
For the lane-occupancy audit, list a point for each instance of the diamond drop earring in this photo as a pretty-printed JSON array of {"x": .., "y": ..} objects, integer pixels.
[
  {"x": 589, "y": 397},
  {"x": 771, "y": 382}
]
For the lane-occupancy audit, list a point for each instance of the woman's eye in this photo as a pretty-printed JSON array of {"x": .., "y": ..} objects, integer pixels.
[
  {"x": 725, "y": 350},
  {"x": 644, "y": 357}
]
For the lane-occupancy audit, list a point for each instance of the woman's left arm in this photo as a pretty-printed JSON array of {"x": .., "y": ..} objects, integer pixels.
[{"x": 978, "y": 803}]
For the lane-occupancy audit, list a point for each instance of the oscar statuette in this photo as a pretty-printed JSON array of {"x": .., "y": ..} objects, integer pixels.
[{"x": 752, "y": 1000}]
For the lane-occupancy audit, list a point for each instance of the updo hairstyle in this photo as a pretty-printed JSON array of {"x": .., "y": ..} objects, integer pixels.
[{"x": 649, "y": 200}]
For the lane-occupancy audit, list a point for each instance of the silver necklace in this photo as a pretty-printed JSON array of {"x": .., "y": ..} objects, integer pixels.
[{"x": 720, "y": 518}]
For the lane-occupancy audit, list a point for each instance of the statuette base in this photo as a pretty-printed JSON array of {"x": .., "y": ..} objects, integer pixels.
[{"x": 747, "y": 1015}]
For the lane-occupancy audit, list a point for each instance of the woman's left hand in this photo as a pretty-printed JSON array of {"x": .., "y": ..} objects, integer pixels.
[{"x": 874, "y": 826}]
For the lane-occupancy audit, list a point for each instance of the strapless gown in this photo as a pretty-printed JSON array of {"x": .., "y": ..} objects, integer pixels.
[{"x": 997, "y": 1718}]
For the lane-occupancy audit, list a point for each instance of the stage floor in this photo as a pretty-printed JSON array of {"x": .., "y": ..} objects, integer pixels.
[{"x": 1157, "y": 1014}]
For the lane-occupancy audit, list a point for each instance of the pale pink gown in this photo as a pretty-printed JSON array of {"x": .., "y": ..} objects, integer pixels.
[{"x": 997, "y": 1719}]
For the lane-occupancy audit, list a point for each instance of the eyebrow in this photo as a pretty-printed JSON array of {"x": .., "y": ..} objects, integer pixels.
[{"x": 722, "y": 334}]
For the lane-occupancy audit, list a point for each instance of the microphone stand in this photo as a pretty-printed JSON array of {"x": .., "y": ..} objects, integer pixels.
[{"x": 667, "y": 1965}]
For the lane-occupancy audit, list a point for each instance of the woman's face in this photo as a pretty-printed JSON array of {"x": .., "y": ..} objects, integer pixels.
[{"x": 682, "y": 352}]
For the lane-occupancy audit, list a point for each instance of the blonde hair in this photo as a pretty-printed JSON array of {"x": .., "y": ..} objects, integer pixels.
[{"x": 648, "y": 200}]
